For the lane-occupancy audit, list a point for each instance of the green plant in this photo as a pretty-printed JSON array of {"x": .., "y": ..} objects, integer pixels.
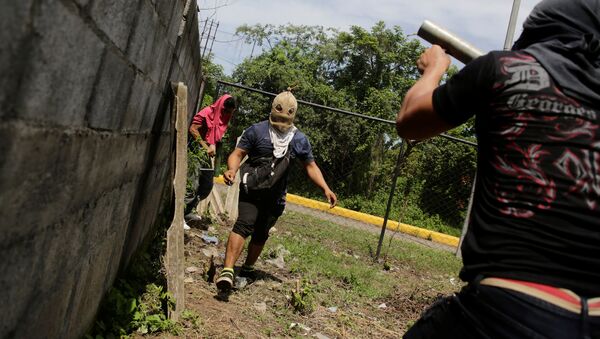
[
  {"x": 197, "y": 159},
  {"x": 191, "y": 319},
  {"x": 302, "y": 298}
]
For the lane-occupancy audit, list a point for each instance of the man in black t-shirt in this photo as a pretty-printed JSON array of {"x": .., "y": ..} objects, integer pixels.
[
  {"x": 532, "y": 252},
  {"x": 258, "y": 209}
]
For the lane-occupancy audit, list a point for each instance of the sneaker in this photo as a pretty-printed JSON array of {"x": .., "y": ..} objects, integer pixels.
[
  {"x": 225, "y": 279},
  {"x": 193, "y": 220},
  {"x": 248, "y": 271}
]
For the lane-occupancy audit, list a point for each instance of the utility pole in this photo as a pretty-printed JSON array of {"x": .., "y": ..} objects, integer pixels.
[
  {"x": 213, "y": 39},
  {"x": 510, "y": 32},
  {"x": 208, "y": 36}
]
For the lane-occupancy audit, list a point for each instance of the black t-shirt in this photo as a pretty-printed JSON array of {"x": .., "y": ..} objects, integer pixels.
[
  {"x": 257, "y": 142},
  {"x": 536, "y": 211}
]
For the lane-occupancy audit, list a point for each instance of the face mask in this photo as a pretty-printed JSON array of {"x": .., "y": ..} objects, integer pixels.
[{"x": 283, "y": 111}]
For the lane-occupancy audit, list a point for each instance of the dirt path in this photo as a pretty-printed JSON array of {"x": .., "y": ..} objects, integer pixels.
[{"x": 351, "y": 296}]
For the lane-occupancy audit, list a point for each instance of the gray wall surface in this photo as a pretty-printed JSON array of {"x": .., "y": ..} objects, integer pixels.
[{"x": 86, "y": 148}]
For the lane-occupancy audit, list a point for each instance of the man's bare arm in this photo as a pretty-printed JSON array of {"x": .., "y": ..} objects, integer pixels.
[
  {"x": 233, "y": 164},
  {"x": 417, "y": 118},
  {"x": 314, "y": 173}
]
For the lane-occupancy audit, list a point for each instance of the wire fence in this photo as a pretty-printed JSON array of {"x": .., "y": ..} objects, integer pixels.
[{"x": 358, "y": 156}]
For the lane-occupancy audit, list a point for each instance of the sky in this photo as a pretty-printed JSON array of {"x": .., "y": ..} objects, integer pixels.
[{"x": 481, "y": 23}]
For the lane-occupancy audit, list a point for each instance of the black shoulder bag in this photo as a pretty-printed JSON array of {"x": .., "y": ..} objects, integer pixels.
[{"x": 263, "y": 173}]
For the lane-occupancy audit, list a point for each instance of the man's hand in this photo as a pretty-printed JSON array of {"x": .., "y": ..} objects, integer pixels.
[
  {"x": 229, "y": 177},
  {"x": 433, "y": 59},
  {"x": 212, "y": 150},
  {"x": 331, "y": 198}
]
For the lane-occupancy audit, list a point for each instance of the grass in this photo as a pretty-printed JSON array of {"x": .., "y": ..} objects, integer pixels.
[
  {"x": 338, "y": 262},
  {"x": 326, "y": 265}
]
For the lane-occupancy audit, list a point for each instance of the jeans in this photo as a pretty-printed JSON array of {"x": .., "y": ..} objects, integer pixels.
[{"x": 480, "y": 311}]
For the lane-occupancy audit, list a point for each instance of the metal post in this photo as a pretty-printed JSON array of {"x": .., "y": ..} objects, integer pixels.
[
  {"x": 467, "y": 218},
  {"x": 510, "y": 32},
  {"x": 200, "y": 97},
  {"x": 404, "y": 150}
]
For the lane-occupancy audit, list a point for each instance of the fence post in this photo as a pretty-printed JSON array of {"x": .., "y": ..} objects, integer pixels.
[
  {"x": 174, "y": 257},
  {"x": 404, "y": 150},
  {"x": 467, "y": 218}
]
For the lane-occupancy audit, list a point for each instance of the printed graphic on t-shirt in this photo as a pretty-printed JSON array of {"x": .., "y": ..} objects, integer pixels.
[{"x": 550, "y": 142}]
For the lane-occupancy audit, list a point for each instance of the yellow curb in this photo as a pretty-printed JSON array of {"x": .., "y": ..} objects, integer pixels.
[{"x": 370, "y": 219}]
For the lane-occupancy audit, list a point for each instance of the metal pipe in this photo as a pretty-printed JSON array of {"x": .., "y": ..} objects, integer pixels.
[
  {"x": 510, "y": 32},
  {"x": 405, "y": 149},
  {"x": 455, "y": 46}
]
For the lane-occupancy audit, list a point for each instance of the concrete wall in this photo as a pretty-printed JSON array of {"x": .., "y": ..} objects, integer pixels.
[{"x": 86, "y": 153}]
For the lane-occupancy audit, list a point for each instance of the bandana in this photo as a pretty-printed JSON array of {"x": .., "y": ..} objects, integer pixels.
[
  {"x": 564, "y": 36},
  {"x": 281, "y": 140},
  {"x": 215, "y": 121}
]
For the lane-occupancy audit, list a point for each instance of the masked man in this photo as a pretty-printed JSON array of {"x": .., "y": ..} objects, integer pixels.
[
  {"x": 532, "y": 252},
  {"x": 208, "y": 128},
  {"x": 270, "y": 145}
]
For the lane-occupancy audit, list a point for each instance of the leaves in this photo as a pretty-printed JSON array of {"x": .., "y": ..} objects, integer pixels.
[{"x": 366, "y": 71}]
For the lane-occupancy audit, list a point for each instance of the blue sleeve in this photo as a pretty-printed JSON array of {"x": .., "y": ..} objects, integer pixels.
[
  {"x": 248, "y": 139},
  {"x": 303, "y": 150}
]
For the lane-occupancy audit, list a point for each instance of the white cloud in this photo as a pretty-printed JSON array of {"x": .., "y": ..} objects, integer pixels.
[{"x": 482, "y": 23}]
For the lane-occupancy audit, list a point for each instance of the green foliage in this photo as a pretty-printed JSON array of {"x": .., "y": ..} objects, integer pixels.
[
  {"x": 126, "y": 309},
  {"x": 364, "y": 71},
  {"x": 137, "y": 302},
  {"x": 302, "y": 298}
]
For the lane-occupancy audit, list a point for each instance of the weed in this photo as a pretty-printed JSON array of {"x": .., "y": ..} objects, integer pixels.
[
  {"x": 138, "y": 302},
  {"x": 191, "y": 319},
  {"x": 302, "y": 299}
]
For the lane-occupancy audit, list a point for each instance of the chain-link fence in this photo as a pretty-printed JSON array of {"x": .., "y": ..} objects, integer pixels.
[{"x": 358, "y": 156}]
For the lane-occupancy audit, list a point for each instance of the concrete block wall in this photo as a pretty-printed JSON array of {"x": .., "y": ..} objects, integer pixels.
[{"x": 86, "y": 148}]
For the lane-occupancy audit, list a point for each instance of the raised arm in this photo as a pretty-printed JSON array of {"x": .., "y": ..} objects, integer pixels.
[
  {"x": 417, "y": 118},
  {"x": 314, "y": 173}
]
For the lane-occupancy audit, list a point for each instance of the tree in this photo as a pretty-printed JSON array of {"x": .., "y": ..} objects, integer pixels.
[{"x": 365, "y": 71}]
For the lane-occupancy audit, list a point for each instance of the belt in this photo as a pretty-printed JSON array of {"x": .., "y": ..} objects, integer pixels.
[{"x": 561, "y": 297}]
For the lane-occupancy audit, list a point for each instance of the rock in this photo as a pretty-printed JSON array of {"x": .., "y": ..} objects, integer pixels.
[
  {"x": 272, "y": 230},
  {"x": 191, "y": 269},
  {"x": 332, "y": 309},
  {"x": 209, "y": 239},
  {"x": 275, "y": 285},
  {"x": 277, "y": 262},
  {"x": 281, "y": 251},
  {"x": 188, "y": 280},
  {"x": 382, "y": 306},
  {"x": 300, "y": 326},
  {"x": 260, "y": 307},
  {"x": 212, "y": 230},
  {"x": 320, "y": 335},
  {"x": 210, "y": 252},
  {"x": 241, "y": 282}
]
